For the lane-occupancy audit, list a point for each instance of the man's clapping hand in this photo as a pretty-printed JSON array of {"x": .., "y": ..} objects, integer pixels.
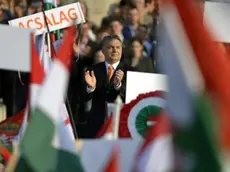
[{"x": 90, "y": 79}]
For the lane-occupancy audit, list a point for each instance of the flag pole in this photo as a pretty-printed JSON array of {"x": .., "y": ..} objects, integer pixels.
[
  {"x": 42, "y": 46},
  {"x": 48, "y": 30},
  {"x": 50, "y": 48},
  {"x": 116, "y": 118}
]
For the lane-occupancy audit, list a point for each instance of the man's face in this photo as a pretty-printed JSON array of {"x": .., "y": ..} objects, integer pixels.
[
  {"x": 140, "y": 4},
  {"x": 150, "y": 7},
  {"x": 133, "y": 16},
  {"x": 124, "y": 12},
  {"x": 116, "y": 28},
  {"x": 112, "y": 51}
]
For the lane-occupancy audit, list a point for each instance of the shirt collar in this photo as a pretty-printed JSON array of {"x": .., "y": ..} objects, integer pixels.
[
  {"x": 121, "y": 37},
  {"x": 114, "y": 65}
]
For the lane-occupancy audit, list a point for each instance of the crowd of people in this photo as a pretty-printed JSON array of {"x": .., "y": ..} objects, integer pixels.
[{"x": 128, "y": 33}]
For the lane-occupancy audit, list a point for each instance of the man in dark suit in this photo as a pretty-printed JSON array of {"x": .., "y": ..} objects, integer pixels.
[{"x": 104, "y": 82}]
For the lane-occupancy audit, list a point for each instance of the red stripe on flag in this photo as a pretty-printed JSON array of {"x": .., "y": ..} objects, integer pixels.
[
  {"x": 67, "y": 121},
  {"x": 113, "y": 165},
  {"x": 107, "y": 127},
  {"x": 212, "y": 61},
  {"x": 5, "y": 153}
]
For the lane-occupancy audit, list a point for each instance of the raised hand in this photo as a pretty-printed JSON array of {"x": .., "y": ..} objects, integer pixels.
[
  {"x": 118, "y": 77},
  {"x": 90, "y": 79}
]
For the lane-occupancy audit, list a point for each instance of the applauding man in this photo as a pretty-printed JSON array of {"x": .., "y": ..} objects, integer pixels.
[{"x": 104, "y": 82}]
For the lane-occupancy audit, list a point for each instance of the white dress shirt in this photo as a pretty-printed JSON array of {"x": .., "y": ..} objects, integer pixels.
[{"x": 114, "y": 66}]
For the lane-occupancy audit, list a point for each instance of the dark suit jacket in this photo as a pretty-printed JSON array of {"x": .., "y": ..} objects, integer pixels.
[{"x": 104, "y": 92}]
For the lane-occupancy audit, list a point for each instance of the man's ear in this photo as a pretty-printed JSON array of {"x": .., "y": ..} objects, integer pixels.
[{"x": 102, "y": 50}]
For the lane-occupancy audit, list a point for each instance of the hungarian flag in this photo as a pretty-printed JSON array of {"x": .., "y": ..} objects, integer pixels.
[
  {"x": 156, "y": 153},
  {"x": 209, "y": 57},
  {"x": 9, "y": 128},
  {"x": 65, "y": 137},
  {"x": 113, "y": 165},
  {"x": 38, "y": 153},
  {"x": 106, "y": 131},
  {"x": 49, "y": 4},
  {"x": 9, "y": 133},
  {"x": 189, "y": 58}
]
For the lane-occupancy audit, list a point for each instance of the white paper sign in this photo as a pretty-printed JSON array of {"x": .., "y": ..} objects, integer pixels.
[
  {"x": 139, "y": 83},
  {"x": 217, "y": 15},
  {"x": 15, "y": 48},
  {"x": 101, "y": 151},
  {"x": 57, "y": 18}
]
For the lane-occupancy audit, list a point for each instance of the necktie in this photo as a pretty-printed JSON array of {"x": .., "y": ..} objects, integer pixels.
[{"x": 110, "y": 72}]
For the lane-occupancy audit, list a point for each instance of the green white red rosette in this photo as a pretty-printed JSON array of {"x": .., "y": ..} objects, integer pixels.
[{"x": 140, "y": 114}]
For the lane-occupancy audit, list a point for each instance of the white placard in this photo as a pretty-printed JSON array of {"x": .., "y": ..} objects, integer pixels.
[
  {"x": 57, "y": 18},
  {"x": 217, "y": 15},
  {"x": 139, "y": 83},
  {"x": 15, "y": 48},
  {"x": 101, "y": 151}
]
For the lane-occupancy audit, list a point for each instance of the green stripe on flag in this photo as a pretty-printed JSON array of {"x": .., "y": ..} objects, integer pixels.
[
  {"x": 38, "y": 154},
  {"x": 48, "y": 6},
  {"x": 198, "y": 142}
]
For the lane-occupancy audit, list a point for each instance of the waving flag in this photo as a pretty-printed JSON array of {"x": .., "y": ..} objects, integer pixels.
[
  {"x": 38, "y": 153},
  {"x": 187, "y": 53}
]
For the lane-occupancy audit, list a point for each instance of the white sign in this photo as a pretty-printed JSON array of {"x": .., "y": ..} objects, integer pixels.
[
  {"x": 57, "y": 18},
  {"x": 139, "y": 83},
  {"x": 217, "y": 15},
  {"x": 15, "y": 48},
  {"x": 101, "y": 151}
]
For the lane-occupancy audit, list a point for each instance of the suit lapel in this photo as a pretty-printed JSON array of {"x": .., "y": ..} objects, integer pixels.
[{"x": 104, "y": 74}]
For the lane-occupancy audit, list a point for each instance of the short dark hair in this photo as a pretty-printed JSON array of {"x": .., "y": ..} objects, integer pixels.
[
  {"x": 114, "y": 19},
  {"x": 132, "y": 7},
  {"x": 109, "y": 38},
  {"x": 123, "y": 3},
  {"x": 148, "y": 2},
  {"x": 101, "y": 30},
  {"x": 135, "y": 39}
]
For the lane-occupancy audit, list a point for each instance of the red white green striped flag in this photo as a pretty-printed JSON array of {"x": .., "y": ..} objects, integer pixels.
[
  {"x": 65, "y": 129},
  {"x": 38, "y": 153},
  {"x": 190, "y": 59}
]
